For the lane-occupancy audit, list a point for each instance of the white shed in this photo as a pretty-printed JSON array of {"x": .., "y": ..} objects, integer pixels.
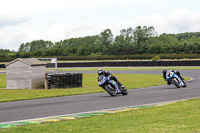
[{"x": 25, "y": 73}]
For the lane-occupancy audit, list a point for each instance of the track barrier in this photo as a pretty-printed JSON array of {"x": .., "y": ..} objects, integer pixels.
[{"x": 64, "y": 80}]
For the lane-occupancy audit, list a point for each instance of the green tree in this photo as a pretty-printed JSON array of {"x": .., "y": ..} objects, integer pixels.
[
  {"x": 124, "y": 42},
  {"x": 35, "y": 46},
  {"x": 105, "y": 40},
  {"x": 141, "y": 35}
]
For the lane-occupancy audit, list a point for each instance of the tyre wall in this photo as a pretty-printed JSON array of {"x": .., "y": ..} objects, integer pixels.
[{"x": 64, "y": 80}]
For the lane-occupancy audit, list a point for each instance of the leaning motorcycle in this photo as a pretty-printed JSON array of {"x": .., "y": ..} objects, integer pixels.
[
  {"x": 111, "y": 86},
  {"x": 175, "y": 79}
]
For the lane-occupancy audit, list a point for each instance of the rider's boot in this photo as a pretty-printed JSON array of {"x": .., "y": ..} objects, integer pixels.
[
  {"x": 182, "y": 78},
  {"x": 121, "y": 86},
  {"x": 178, "y": 73},
  {"x": 168, "y": 82}
]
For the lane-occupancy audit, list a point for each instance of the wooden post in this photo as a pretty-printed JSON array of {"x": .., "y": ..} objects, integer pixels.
[{"x": 46, "y": 81}]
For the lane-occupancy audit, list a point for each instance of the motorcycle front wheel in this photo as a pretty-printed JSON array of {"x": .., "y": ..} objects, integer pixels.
[
  {"x": 110, "y": 91},
  {"x": 184, "y": 84},
  {"x": 175, "y": 82}
]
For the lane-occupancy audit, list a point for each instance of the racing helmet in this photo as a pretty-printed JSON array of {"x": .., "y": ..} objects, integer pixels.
[
  {"x": 164, "y": 70},
  {"x": 100, "y": 71}
]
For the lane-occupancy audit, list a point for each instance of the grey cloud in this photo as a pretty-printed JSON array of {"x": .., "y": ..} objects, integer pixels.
[{"x": 7, "y": 21}]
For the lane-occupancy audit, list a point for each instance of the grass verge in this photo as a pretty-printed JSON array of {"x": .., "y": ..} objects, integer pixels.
[
  {"x": 180, "y": 117},
  {"x": 2, "y": 81},
  {"x": 89, "y": 86},
  {"x": 2, "y": 69}
]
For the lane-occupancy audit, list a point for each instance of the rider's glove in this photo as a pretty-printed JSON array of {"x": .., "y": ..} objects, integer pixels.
[{"x": 109, "y": 77}]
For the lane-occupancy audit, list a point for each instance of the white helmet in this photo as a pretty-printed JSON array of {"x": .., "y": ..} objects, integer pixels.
[{"x": 100, "y": 71}]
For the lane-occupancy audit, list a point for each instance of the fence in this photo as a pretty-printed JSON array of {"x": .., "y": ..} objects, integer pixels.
[{"x": 2, "y": 65}]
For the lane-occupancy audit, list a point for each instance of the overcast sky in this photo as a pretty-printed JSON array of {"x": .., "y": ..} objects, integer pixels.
[{"x": 23, "y": 21}]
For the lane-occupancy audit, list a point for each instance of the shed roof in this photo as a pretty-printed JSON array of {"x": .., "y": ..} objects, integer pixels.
[{"x": 28, "y": 61}]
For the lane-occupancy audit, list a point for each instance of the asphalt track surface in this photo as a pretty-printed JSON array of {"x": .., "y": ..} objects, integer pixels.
[{"x": 29, "y": 109}]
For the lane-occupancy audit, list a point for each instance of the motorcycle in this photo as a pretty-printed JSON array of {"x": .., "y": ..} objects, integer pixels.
[
  {"x": 111, "y": 86},
  {"x": 175, "y": 79}
]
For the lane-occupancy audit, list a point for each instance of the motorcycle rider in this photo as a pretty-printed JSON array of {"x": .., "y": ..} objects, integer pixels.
[
  {"x": 108, "y": 74},
  {"x": 165, "y": 72}
]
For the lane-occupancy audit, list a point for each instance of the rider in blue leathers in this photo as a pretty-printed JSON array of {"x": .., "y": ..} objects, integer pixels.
[
  {"x": 165, "y": 72},
  {"x": 108, "y": 74}
]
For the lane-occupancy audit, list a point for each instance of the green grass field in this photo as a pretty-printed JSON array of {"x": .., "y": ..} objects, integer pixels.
[
  {"x": 131, "y": 81},
  {"x": 180, "y": 117}
]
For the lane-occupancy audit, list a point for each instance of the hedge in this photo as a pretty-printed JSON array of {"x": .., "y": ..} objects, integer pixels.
[
  {"x": 129, "y": 57},
  {"x": 115, "y": 57}
]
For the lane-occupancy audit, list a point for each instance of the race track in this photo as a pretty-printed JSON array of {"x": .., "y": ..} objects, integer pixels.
[{"x": 28, "y": 109}]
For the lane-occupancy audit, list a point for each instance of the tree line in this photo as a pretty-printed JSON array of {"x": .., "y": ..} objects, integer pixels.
[{"x": 130, "y": 41}]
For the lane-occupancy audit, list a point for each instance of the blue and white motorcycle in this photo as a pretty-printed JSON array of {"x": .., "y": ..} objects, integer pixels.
[
  {"x": 175, "y": 79},
  {"x": 111, "y": 86}
]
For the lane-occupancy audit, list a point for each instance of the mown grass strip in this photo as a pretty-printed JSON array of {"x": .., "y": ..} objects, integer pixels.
[
  {"x": 2, "y": 69},
  {"x": 118, "y": 68},
  {"x": 7, "y": 126},
  {"x": 125, "y": 68}
]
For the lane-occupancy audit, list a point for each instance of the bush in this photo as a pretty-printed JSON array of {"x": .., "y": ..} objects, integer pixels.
[
  {"x": 7, "y": 59},
  {"x": 155, "y": 58}
]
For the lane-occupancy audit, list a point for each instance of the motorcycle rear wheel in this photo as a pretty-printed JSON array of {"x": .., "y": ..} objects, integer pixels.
[{"x": 124, "y": 91}]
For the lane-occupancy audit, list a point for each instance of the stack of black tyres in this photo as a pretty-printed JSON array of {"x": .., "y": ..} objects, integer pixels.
[{"x": 65, "y": 80}]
